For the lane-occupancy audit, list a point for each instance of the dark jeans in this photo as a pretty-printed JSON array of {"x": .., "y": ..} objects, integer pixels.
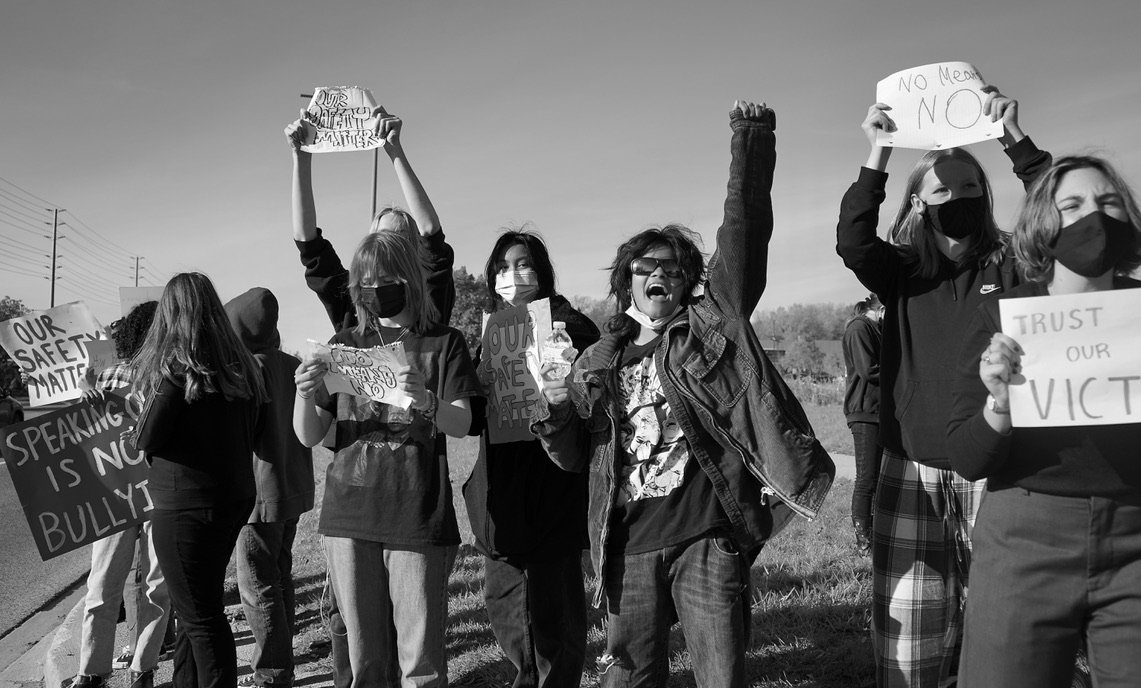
[
  {"x": 194, "y": 548},
  {"x": 705, "y": 585},
  {"x": 265, "y": 582},
  {"x": 538, "y": 613},
  {"x": 868, "y": 454}
]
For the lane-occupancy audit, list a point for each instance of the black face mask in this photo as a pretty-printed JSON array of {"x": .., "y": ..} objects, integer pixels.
[
  {"x": 383, "y": 302},
  {"x": 1094, "y": 244},
  {"x": 959, "y": 218}
]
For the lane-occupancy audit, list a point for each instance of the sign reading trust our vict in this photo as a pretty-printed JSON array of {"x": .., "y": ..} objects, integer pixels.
[
  {"x": 936, "y": 106},
  {"x": 1081, "y": 364}
]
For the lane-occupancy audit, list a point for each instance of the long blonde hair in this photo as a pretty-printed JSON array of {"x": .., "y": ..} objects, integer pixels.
[{"x": 391, "y": 254}]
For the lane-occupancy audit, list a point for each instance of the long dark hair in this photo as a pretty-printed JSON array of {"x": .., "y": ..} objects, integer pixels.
[
  {"x": 684, "y": 242},
  {"x": 192, "y": 343},
  {"x": 537, "y": 253}
]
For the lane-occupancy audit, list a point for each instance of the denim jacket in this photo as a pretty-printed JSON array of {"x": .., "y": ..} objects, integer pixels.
[{"x": 715, "y": 377}]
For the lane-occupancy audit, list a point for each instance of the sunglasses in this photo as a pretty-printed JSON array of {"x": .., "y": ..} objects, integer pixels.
[{"x": 646, "y": 266}]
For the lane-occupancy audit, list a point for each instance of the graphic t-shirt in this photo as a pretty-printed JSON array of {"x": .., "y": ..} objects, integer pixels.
[
  {"x": 664, "y": 497},
  {"x": 388, "y": 481}
]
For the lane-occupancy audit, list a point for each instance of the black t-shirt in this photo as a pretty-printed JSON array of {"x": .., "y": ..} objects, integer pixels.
[
  {"x": 664, "y": 497},
  {"x": 389, "y": 481}
]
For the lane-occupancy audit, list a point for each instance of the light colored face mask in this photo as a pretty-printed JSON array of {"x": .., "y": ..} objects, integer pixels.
[
  {"x": 655, "y": 324},
  {"x": 517, "y": 287}
]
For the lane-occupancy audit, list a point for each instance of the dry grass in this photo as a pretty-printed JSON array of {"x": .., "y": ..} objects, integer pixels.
[{"x": 810, "y": 611}]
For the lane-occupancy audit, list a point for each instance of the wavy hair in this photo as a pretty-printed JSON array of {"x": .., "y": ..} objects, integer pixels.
[
  {"x": 1039, "y": 220},
  {"x": 685, "y": 244},
  {"x": 536, "y": 250},
  {"x": 391, "y": 254},
  {"x": 192, "y": 343},
  {"x": 912, "y": 233},
  {"x": 130, "y": 331}
]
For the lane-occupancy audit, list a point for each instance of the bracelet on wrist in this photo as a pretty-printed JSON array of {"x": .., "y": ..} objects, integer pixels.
[{"x": 433, "y": 406}]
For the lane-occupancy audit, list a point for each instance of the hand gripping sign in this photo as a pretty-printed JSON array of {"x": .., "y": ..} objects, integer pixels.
[
  {"x": 364, "y": 372},
  {"x": 936, "y": 106},
  {"x": 50, "y": 346},
  {"x": 344, "y": 120},
  {"x": 1081, "y": 364}
]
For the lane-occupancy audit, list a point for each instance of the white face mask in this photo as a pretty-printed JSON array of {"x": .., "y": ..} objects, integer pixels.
[
  {"x": 655, "y": 324},
  {"x": 517, "y": 287}
]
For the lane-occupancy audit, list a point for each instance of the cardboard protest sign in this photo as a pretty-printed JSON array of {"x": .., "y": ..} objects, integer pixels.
[
  {"x": 509, "y": 368},
  {"x": 1081, "y": 364},
  {"x": 77, "y": 478},
  {"x": 344, "y": 120},
  {"x": 936, "y": 106},
  {"x": 50, "y": 346},
  {"x": 129, "y": 297},
  {"x": 100, "y": 356},
  {"x": 364, "y": 372}
]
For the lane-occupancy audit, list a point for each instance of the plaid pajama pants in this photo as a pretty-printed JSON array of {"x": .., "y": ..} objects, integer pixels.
[{"x": 921, "y": 553}]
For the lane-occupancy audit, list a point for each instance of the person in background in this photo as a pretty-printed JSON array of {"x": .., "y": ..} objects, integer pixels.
[
  {"x": 283, "y": 471},
  {"x": 945, "y": 257},
  {"x": 861, "y": 344},
  {"x": 527, "y": 515},
  {"x": 1057, "y": 543},
  {"x": 388, "y": 521},
  {"x": 111, "y": 557},
  {"x": 199, "y": 427}
]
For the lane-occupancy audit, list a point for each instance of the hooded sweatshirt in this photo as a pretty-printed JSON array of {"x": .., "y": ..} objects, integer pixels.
[{"x": 283, "y": 467}]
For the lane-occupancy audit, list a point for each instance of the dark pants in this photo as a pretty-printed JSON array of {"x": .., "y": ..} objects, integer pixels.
[
  {"x": 265, "y": 582},
  {"x": 194, "y": 548},
  {"x": 537, "y": 610},
  {"x": 1047, "y": 572},
  {"x": 866, "y": 437}
]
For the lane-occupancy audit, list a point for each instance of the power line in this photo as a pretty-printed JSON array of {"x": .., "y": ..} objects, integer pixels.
[
  {"x": 26, "y": 192},
  {"x": 35, "y": 220},
  {"x": 83, "y": 224},
  {"x": 20, "y": 227},
  {"x": 20, "y": 243},
  {"x": 95, "y": 246},
  {"x": 34, "y": 207},
  {"x": 20, "y": 268}
]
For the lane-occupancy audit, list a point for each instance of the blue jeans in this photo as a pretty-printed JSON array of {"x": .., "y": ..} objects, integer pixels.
[
  {"x": 866, "y": 438},
  {"x": 265, "y": 583},
  {"x": 705, "y": 585},
  {"x": 405, "y": 586}
]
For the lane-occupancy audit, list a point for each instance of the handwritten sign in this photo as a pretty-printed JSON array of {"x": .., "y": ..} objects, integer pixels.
[
  {"x": 77, "y": 478},
  {"x": 364, "y": 372},
  {"x": 1081, "y": 364},
  {"x": 100, "y": 356},
  {"x": 50, "y": 346},
  {"x": 344, "y": 120},
  {"x": 129, "y": 297},
  {"x": 509, "y": 368},
  {"x": 936, "y": 106}
]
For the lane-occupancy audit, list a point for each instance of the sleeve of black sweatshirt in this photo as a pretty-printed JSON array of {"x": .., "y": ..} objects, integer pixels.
[
  {"x": 976, "y": 450},
  {"x": 159, "y": 417},
  {"x": 874, "y": 261},
  {"x": 326, "y": 277},
  {"x": 1029, "y": 162},
  {"x": 863, "y": 350}
]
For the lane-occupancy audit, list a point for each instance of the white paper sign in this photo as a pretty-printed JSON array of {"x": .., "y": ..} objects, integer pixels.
[
  {"x": 129, "y": 297},
  {"x": 344, "y": 120},
  {"x": 509, "y": 368},
  {"x": 50, "y": 346},
  {"x": 936, "y": 106},
  {"x": 1081, "y": 363},
  {"x": 364, "y": 372}
]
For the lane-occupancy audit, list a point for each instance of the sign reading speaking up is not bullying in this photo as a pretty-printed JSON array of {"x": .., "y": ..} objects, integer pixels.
[
  {"x": 344, "y": 120},
  {"x": 78, "y": 479},
  {"x": 509, "y": 368},
  {"x": 1080, "y": 364},
  {"x": 50, "y": 346},
  {"x": 936, "y": 106},
  {"x": 364, "y": 372}
]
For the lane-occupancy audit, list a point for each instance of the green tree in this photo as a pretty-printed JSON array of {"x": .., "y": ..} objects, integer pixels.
[
  {"x": 471, "y": 302},
  {"x": 802, "y": 358},
  {"x": 598, "y": 310},
  {"x": 9, "y": 371}
]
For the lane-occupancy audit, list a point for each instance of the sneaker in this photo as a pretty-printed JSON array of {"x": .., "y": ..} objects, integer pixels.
[
  {"x": 123, "y": 659},
  {"x": 89, "y": 681},
  {"x": 143, "y": 679}
]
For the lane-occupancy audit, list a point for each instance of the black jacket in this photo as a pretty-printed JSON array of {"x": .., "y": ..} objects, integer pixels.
[{"x": 862, "y": 343}]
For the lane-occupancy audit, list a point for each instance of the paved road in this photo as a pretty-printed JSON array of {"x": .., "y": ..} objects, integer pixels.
[{"x": 27, "y": 582}]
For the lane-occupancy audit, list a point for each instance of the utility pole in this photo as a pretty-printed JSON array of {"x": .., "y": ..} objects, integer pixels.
[
  {"x": 55, "y": 241},
  {"x": 136, "y": 271},
  {"x": 375, "y": 169}
]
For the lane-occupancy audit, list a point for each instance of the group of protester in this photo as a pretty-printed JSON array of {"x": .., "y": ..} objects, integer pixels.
[{"x": 672, "y": 448}]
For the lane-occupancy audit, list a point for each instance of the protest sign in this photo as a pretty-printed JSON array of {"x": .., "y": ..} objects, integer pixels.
[
  {"x": 343, "y": 119},
  {"x": 936, "y": 106},
  {"x": 509, "y": 368},
  {"x": 364, "y": 372},
  {"x": 100, "y": 356},
  {"x": 77, "y": 478},
  {"x": 129, "y": 297},
  {"x": 1081, "y": 364},
  {"x": 50, "y": 346}
]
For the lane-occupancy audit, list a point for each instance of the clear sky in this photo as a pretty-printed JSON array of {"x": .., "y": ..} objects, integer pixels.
[{"x": 158, "y": 124}]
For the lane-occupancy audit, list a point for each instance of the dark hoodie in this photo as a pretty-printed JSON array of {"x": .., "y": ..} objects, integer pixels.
[{"x": 283, "y": 467}]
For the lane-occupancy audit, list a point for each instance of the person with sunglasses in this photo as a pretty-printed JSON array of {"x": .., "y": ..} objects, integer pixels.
[{"x": 684, "y": 427}]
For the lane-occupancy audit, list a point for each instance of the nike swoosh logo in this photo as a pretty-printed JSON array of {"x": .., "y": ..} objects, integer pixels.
[{"x": 988, "y": 288}]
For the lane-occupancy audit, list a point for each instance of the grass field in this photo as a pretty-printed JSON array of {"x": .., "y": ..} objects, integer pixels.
[{"x": 811, "y": 597}]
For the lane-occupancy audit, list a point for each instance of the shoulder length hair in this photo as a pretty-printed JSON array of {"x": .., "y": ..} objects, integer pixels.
[
  {"x": 912, "y": 233},
  {"x": 192, "y": 342},
  {"x": 537, "y": 253},
  {"x": 1039, "y": 220},
  {"x": 684, "y": 242},
  {"x": 391, "y": 254}
]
